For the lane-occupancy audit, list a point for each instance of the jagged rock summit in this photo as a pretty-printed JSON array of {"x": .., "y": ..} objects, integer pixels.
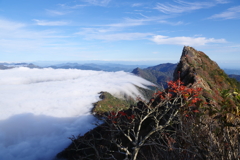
[{"x": 197, "y": 69}]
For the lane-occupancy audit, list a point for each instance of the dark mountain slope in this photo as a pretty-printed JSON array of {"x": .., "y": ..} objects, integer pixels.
[
  {"x": 237, "y": 77},
  {"x": 165, "y": 67},
  {"x": 159, "y": 74},
  {"x": 2, "y": 67}
]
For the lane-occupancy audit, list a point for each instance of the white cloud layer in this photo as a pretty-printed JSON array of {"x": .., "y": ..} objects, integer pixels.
[
  {"x": 191, "y": 41},
  {"x": 41, "y": 108}
]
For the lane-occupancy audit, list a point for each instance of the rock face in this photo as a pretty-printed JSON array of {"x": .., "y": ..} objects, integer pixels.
[{"x": 197, "y": 69}]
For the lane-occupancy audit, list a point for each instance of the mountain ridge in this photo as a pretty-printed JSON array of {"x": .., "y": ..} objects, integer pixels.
[{"x": 195, "y": 69}]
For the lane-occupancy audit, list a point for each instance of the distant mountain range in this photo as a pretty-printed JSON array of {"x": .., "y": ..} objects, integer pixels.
[
  {"x": 232, "y": 71},
  {"x": 108, "y": 67},
  {"x": 14, "y": 65},
  {"x": 158, "y": 74},
  {"x": 237, "y": 77}
]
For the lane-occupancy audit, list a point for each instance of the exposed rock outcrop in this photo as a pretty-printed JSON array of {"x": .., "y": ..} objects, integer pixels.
[{"x": 198, "y": 70}]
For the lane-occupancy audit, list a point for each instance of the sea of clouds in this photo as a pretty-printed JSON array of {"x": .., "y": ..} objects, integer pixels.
[{"x": 41, "y": 108}]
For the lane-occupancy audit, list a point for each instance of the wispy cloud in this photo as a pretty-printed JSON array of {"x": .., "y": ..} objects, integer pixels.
[
  {"x": 222, "y": 1},
  {"x": 143, "y": 15},
  {"x": 72, "y": 7},
  {"x": 9, "y": 25},
  {"x": 171, "y": 23},
  {"x": 106, "y": 35},
  {"x": 231, "y": 13},
  {"x": 115, "y": 31},
  {"x": 137, "y": 4},
  {"x": 50, "y": 23},
  {"x": 17, "y": 38},
  {"x": 55, "y": 13},
  {"x": 129, "y": 22},
  {"x": 96, "y": 30},
  {"x": 184, "y": 6},
  {"x": 97, "y": 2},
  {"x": 192, "y": 41}
]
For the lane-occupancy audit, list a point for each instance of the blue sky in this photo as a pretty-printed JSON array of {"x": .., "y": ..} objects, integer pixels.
[{"x": 118, "y": 30}]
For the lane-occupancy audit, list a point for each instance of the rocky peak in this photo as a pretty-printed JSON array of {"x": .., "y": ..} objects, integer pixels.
[
  {"x": 197, "y": 69},
  {"x": 136, "y": 71}
]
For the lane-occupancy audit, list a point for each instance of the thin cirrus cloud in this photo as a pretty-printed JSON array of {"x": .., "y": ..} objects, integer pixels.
[
  {"x": 128, "y": 22},
  {"x": 231, "y": 13},
  {"x": 137, "y": 4},
  {"x": 55, "y": 13},
  {"x": 50, "y": 23},
  {"x": 72, "y": 7},
  {"x": 101, "y": 34},
  {"x": 171, "y": 23},
  {"x": 112, "y": 32},
  {"x": 16, "y": 37},
  {"x": 43, "y": 107},
  {"x": 9, "y": 25},
  {"x": 97, "y": 2},
  {"x": 184, "y": 6},
  {"x": 192, "y": 41},
  {"x": 121, "y": 36}
]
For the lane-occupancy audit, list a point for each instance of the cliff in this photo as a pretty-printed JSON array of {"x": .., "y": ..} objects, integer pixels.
[{"x": 198, "y": 70}]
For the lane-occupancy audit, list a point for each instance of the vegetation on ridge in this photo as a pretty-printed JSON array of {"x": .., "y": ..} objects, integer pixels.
[{"x": 110, "y": 103}]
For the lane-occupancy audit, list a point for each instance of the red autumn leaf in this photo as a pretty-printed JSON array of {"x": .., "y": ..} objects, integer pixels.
[
  {"x": 196, "y": 111},
  {"x": 122, "y": 113}
]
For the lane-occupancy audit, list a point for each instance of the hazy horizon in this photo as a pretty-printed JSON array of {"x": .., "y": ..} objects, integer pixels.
[{"x": 222, "y": 65}]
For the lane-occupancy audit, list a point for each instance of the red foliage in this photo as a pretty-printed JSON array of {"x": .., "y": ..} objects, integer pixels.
[
  {"x": 196, "y": 111},
  {"x": 113, "y": 116},
  {"x": 189, "y": 94},
  {"x": 175, "y": 89}
]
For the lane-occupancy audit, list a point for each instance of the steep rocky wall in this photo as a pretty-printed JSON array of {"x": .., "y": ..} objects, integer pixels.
[{"x": 198, "y": 70}]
